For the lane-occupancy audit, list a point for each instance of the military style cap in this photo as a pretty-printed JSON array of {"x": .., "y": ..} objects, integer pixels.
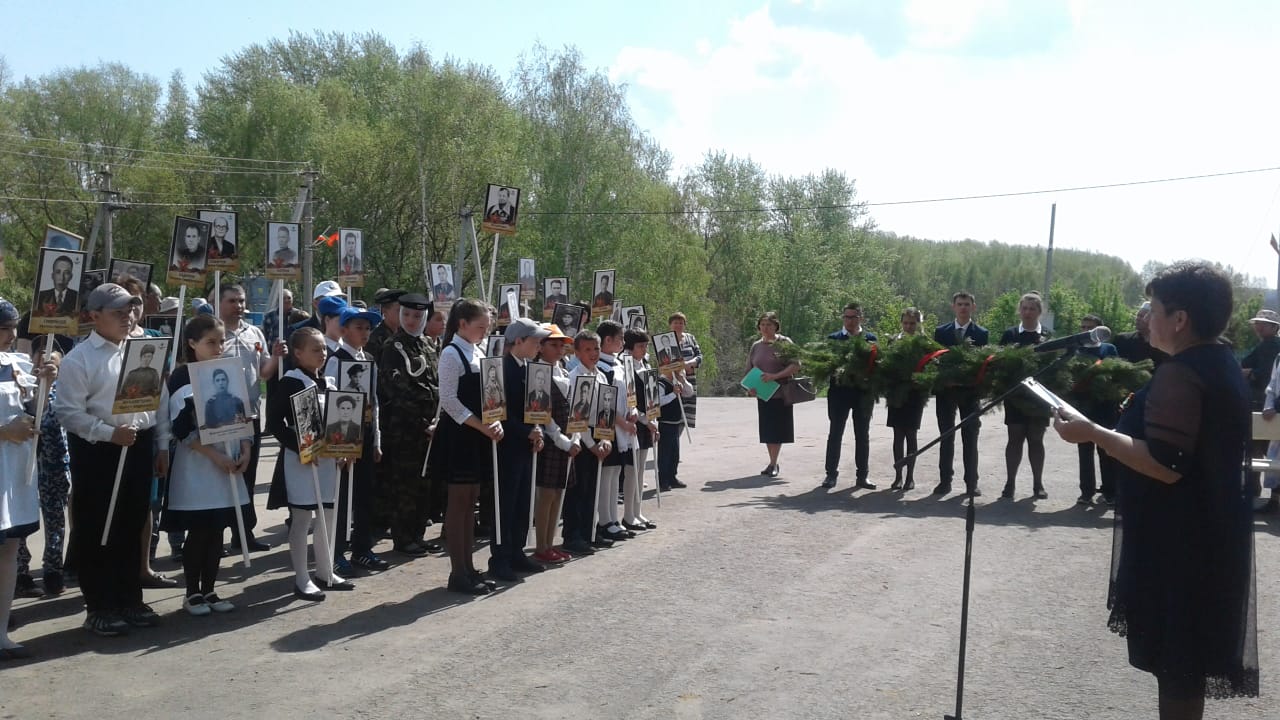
[
  {"x": 416, "y": 301},
  {"x": 384, "y": 296}
]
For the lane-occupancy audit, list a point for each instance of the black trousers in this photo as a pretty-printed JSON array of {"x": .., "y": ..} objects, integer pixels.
[
  {"x": 363, "y": 497},
  {"x": 668, "y": 454},
  {"x": 109, "y": 575},
  {"x": 580, "y": 499},
  {"x": 947, "y": 404},
  {"x": 514, "y": 475},
  {"x": 841, "y": 403},
  {"x": 1106, "y": 467},
  {"x": 250, "y": 482}
]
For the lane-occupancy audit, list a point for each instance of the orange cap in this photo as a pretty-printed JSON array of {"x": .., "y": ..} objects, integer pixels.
[{"x": 555, "y": 333}]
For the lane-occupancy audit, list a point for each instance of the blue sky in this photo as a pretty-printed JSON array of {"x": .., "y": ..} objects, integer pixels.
[{"x": 913, "y": 98}]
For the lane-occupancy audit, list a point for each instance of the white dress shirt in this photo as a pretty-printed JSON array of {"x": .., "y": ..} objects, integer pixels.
[
  {"x": 451, "y": 369},
  {"x": 87, "y": 381}
]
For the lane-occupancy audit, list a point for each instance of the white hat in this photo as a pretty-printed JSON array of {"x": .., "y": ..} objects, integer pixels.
[
  {"x": 169, "y": 304},
  {"x": 327, "y": 288}
]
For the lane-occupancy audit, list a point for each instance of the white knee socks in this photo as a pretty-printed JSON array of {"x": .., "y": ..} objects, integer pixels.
[{"x": 298, "y": 549}]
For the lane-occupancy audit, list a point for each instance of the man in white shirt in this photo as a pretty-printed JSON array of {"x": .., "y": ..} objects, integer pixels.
[{"x": 87, "y": 380}]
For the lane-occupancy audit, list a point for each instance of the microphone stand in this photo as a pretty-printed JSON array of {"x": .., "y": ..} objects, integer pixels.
[{"x": 970, "y": 520}]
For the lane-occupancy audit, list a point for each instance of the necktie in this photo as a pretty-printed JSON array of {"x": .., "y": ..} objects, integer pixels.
[{"x": 959, "y": 335}]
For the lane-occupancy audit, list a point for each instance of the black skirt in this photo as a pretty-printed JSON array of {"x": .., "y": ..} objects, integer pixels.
[
  {"x": 210, "y": 519},
  {"x": 777, "y": 421},
  {"x": 907, "y": 415}
]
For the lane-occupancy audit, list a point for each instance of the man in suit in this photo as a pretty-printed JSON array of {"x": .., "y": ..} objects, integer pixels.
[
  {"x": 503, "y": 211},
  {"x": 843, "y": 401},
  {"x": 442, "y": 289},
  {"x": 58, "y": 301},
  {"x": 539, "y": 400},
  {"x": 350, "y": 263},
  {"x": 219, "y": 245},
  {"x": 964, "y": 400},
  {"x": 284, "y": 255},
  {"x": 191, "y": 254},
  {"x": 144, "y": 380},
  {"x": 346, "y": 431},
  {"x": 604, "y": 294},
  {"x": 555, "y": 294}
]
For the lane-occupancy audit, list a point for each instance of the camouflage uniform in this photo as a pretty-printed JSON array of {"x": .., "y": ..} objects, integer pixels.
[
  {"x": 409, "y": 392},
  {"x": 378, "y": 339}
]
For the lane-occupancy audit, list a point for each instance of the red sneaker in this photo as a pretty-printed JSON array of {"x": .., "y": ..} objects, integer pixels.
[
  {"x": 547, "y": 556},
  {"x": 561, "y": 556}
]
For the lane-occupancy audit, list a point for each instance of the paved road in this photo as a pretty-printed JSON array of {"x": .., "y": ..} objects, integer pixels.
[{"x": 755, "y": 598}]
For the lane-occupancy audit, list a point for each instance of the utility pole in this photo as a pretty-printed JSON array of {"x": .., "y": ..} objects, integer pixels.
[
  {"x": 307, "y": 197},
  {"x": 465, "y": 233},
  {"x": 422, "y": 199},
  {"x": 1047, "y": 315},
  {"x": 108, "y": 204}
]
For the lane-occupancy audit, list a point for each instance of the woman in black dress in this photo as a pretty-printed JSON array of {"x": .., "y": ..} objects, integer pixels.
[
  {"x": 1182, "y": 583},
  {"x": 776, "y": 420},
  {"x": 1025, "y": 424},
  {"x": 905, "y": 418}
]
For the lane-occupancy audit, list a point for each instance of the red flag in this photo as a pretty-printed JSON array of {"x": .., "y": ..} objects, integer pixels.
[{"x": 330, "y": 240}]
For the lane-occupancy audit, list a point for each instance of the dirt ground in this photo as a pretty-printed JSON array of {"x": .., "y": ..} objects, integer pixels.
[{"x": 756, "y": 597}]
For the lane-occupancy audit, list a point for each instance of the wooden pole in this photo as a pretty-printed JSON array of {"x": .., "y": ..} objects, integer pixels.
[
  {"x": 497, "y": 502},
  {"x": 177, "y": 327},
  {"x": 324, "y": 526},
  {"x": 235, "y": 500},
  {"x": 115, "y": 494},
  {"x": 43, "y": 397}
]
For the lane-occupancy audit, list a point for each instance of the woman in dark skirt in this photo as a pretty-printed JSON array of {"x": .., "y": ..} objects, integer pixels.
[
  {"x": 1025, "y": 424},
  {"x": 776, "y": 420},
  {"x": 556, "y": 455},
  {"x": 1183, "y": 581},
  {"x": 905, "y": 418}
]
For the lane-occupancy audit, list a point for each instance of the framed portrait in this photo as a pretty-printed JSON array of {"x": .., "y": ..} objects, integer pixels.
[
  {"x": 508, "y": 303},
  {"x": 667, "y": 352},
  {"x": 355, "y": 376},
  {"x": 163, "y": 324},
  {"x": 222, "y": 401},
  {"x": 555, "y": 291},
  {"x": 570, "y": 318},
  {"x": 493, "y": 395},
  {"x": 629, "y": 374},
  {"x": 602, "y": 294},
  {"x": 501, "y": 207},
  {"x": 443, "y": 289},
  {"x": 603, "y": 411},
  {"x": 224, "y": 254},
  {"x": 57, "y": 300},
  {"x": 537, "y": 393},
  {"x": 633, "y": 318},
  {"x": 652, "y": 398},
  {"x": 350, "y": 257},
  {"x": 284, "y": 251},
  {"x": 188, "y": 254},
  {"x": 528, "y": 279},
  {"x": 138, "y": 387},
  {"x": 581, "y": 396},
  {"x": 308, "y": 422},
  {"x": 344, "y": 424},
  {"x": 89, "y": 281},
  {"x": 59, "y": 239},
  {"x": 119, "y": 269},
  {"x": 494, "y": 345}
]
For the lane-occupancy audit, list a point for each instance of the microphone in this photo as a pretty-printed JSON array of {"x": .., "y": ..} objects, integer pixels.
[{"x": 1100, "y": 334}]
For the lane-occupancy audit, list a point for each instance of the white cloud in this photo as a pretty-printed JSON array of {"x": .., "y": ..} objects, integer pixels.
[{"x": 1126, "y": 93}]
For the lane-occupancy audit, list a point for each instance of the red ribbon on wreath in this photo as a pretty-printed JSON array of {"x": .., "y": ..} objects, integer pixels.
[
  {"x": 982, "y": 371},
  {"x": 871, "y": 361},
  {"x": 929, "y": 358}
]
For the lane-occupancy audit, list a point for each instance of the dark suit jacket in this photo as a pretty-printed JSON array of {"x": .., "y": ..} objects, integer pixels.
[
  {"x": 68, "y": 306},
  {"x": 945, "y": 334},
  {"x": 1017, "y": 336},
  {"x": 541, "y": 402},
  {"x": 350, "y": 433},
  {"x": 228, "y": 249}
]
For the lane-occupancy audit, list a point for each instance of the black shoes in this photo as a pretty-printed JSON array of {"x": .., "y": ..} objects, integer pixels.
[
  {"x": 53, "y": 585},
  {"x": 676, "y": 485},
  {"x": 973, "y": 491},
  {"x": 525, "y": 565},
  {"x": 140, "y": 616},
  {"x": 862, "y": 484},
  {"x": 413, "y": 549},
  {"x": 106, "y": 624},
  {"x": 1007, "y": 493},
  {"x": 829, "y": 482},
  {"x": 503, "y": 573},
  {"x": 468, "y": 585},
  {"x": 578, "y": 548},
  {"x": 301, "y": 594},
  {"x": 335, "y": 585},
  {"x": 942, "y": 488},
  {"x": 910, "y": 484},
  {"x": 1040, "y": 494},
  {"x": 771, "y": 470}
]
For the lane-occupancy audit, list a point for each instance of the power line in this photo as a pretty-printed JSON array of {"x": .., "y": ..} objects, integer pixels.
[
  {"x": 153, "y": 152},
  {"x": 143, "y": 166},
  {"x": 131, "y": 204}
]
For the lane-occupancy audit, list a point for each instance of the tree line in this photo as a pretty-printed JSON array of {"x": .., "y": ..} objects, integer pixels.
[{"x": 403, "y": 140}]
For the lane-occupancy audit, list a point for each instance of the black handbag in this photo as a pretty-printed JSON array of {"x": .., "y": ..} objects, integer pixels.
[{"x": 798, "y": 390}]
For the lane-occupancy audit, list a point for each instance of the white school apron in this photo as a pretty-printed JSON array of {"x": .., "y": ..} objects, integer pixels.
[
  {"x": 297, "y": 477},
  {"x": 19, "y": 493}
]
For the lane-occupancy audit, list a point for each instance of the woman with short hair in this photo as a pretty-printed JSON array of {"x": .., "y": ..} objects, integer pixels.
[{"x": 775, "y": 416}]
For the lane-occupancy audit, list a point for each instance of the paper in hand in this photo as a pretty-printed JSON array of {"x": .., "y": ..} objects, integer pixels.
[{"x": 1048, "y": 397}]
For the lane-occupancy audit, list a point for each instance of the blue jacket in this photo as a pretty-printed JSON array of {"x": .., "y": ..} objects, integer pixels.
[{"x": 945, "y": 334}]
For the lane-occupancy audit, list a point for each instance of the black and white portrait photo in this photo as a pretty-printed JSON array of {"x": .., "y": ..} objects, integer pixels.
[
  {"x": 189, "y": 252},
  {"x": 493, "y": 396},
  {"x": 604, "y": 410},
  {"x": 355, "y": 376},
  {"x": 633, "y": 318},
  {"x": 308, "y": 422},
  {"x": 508, "y": 303},
  {"x": 119, "y": 269},
  {"x": 350, "y": 256},
  {"x": 537, "y": 393},
  {"x": 652, "y": 398},
  {"x": 443, "y": 290},
  {"x": 138, "y": 387},
  {"x": 59, "y": 239},
  {"x": 667, "y": 351},
  {"x": 602, "y": 297},
  {"x": 162, "y": 324},
  {"x": 89, "y": 281},
  {"x": 344, "y": 429},
  {"x": 494, "y": 345},
  {"x": 554, "y": 291},
  {"x": 56, "y": 308},
  {"x": 581, "y": 396},
  {"x": 570, "y": 318},
  {"x": 223, "y": 253},
  {"x": 528, "y": 279},
  {"x": 220, "y": 394},
  {"x": 501, "y": 206},
  {"x": 284, "y": 254}
]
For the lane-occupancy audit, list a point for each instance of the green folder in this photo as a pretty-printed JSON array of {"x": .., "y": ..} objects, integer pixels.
[{"x": 764, "y": 388}]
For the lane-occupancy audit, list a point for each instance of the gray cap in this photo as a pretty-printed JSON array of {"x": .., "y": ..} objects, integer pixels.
[
  {"x": 109, "y": 296},
  {"x": 521, "y": 328}
]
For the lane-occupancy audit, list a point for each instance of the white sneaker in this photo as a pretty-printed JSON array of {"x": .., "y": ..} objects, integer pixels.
[
  {"x": 217, "y": 604},
  {"x": 196, "y": 606}
]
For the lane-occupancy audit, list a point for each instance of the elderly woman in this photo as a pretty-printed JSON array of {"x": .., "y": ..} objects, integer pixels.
[
  {"x": 1183, "y": 585},
  {"x": 777, "y": 422}
]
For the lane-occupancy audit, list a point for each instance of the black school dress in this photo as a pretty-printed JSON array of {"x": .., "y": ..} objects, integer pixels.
[
  {"x": 462, "y": 455},
  {"x": 1018, "y": 409},
  {"x": 1182, "y": 587}
]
